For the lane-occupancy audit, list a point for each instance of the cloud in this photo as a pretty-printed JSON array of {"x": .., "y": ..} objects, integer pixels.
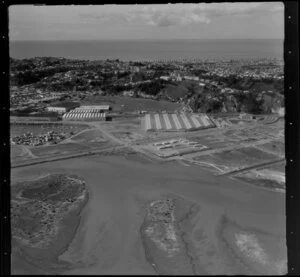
[
  {"x": 179, "y": 14},
  {"x": 165, "y": 18},
  {"x": 278, "y": 8}
]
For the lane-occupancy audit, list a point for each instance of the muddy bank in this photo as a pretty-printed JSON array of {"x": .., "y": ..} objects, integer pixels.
[
  {"x": 251, "y": 251},
  {"x": 163, "y": 244},
  {"x": 265, "y": 178},
  {"x": 45, "y": 215},
  {"x": 178, "y": 241}
]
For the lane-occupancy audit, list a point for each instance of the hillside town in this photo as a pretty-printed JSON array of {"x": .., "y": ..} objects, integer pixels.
[{"x": 224, "y": 86}]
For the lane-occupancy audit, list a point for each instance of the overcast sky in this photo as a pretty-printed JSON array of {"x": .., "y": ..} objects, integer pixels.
[{"x": 170, "y": 21}]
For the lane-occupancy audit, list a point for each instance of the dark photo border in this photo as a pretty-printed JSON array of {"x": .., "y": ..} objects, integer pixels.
[{"x": 292, "y": 126}]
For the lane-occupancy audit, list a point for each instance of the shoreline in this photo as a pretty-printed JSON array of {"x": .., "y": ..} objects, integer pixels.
[
  {"x": 173, "y": 251},
  {"x": 76, "y": 216},
  {"x": 96, "y": 249}
]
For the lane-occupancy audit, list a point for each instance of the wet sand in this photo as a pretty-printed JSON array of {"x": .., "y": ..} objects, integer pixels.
[{"x": 108, "y": 238}]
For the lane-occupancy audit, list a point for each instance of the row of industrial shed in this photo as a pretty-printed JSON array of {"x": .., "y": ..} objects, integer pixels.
[
  {"x": 88, "y": 115},
  {"x": 176, "y": 122}
]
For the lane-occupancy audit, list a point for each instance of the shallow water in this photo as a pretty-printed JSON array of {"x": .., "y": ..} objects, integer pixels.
[{"x": 108, "y": 239}]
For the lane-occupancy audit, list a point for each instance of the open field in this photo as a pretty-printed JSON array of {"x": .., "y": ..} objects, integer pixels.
[
  {"x": 20, "y": 153},
  {"x": 245, "y": 134},
  {"x": 93, "y": 135},
  {"x": 175, "y": 92},
  {"x": 124, "y": 123},
  {"x": 230, "y": 160},
  {"x": 278, "y": 167},
  {"x": 17, "y": 151},
  {"x": 276, "y": 147},
  {"x": 109, "y": 240},
  {"x": 257, "y": 131},
  {"x": 213, "y": 141},
  {"x": 128, "y": 104},
  {"x": 60, "y": 149},
  {"x": 128, "y": 136},
  {"x": 125, "y": 129},
  {"x": 69, "y": 148}
]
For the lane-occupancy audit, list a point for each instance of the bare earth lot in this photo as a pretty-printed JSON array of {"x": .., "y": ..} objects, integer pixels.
[
  {"x": 18, "y": 152},
  {"x": 52, "y": 150},
  {"x": 220, "y": 225},
  {"x": 94, "y": 135},
  {"x": 275, "y": 146},
  {"x": 229, "y": 160}
]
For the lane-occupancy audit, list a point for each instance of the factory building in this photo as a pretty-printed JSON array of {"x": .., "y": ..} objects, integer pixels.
[
  {"x": 62, "y": 107},
  {"x": 89, "y": 113},
  {"x": 176, "y": 122}
]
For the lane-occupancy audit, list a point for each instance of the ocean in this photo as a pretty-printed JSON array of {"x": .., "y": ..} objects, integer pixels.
[{"x": 151, "y": 50}]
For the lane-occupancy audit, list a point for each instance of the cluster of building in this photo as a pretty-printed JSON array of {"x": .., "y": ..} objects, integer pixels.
[
  {"x": 177, "y": 142},
  {"x": 36, "y": 140},
  {"x": 177, "y": 77},
  {"x": 265, "y": 69},
  {"x": 26, "y": 95},
  {"x": 176, "y": 122},
  {"x": 175, "y": 147}
]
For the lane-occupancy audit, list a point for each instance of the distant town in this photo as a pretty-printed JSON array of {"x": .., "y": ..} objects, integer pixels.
[{"x": 250, "y": 86}]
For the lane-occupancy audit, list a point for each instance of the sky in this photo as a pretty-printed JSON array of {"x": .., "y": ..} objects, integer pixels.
[{"x": 248, "y": 20}]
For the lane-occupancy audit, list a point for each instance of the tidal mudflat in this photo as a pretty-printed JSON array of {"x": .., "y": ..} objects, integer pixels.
[
  {"x": 45, "y": 217},
  {"x": 213, "y": 224}
]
